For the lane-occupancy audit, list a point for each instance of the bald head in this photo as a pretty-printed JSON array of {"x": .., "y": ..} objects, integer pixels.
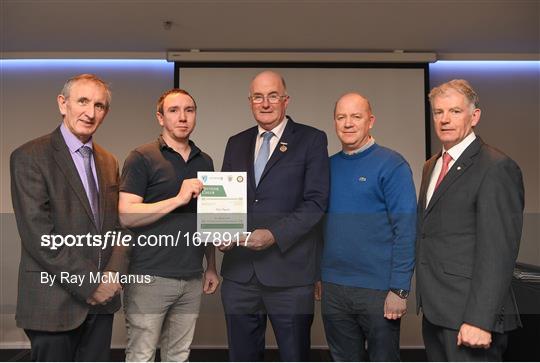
[
  {"x": 353, "y": 97},
  {"x": 353, "y": 119},
  {"x": 268, "y": 76}
]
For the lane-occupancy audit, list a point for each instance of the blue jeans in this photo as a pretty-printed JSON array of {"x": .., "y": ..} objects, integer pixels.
[{"x": 353, "y": 316}]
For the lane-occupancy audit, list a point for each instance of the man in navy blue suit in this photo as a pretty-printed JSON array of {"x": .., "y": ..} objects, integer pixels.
[{"x": 273, "y": 274}]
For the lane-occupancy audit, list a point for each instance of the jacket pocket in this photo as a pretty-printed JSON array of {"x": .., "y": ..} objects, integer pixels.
[{"x": 457, "y": 270}]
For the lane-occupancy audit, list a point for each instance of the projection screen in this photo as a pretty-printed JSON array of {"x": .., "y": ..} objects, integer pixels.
[{"x": 397, "y": 97}]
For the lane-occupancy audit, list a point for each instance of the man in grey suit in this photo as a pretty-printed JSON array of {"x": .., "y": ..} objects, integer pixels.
[
  {"x": 470, "y": 215},
  {"x": 65, "y": 186}
]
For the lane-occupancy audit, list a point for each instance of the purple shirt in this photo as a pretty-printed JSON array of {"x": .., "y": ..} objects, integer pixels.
[{"x": 74, "y": 145}]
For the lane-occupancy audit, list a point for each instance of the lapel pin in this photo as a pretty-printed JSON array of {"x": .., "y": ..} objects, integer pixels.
[
  {"x": 283, "y": 147},
  {"x": 459, "y": 168}
]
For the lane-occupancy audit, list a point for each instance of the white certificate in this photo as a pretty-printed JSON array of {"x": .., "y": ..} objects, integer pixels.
[{"x": 222, "y": 205}]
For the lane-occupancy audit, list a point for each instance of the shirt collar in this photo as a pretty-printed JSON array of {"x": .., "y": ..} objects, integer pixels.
[
  {"x": 162, "y": 143},
  {"x": 72, "y": 142},
  {"x": 364, "y": 147},
  {"x": 163, "y": 146},
  {"x": 458, "y": 149},
  {"x": 278, "y": 130}
]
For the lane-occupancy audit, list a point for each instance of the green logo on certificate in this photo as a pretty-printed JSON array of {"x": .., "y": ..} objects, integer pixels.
[{"x": 213, "y": 191}]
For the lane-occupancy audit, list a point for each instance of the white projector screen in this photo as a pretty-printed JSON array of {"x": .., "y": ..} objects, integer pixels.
[{"x": 397, "y": 96}]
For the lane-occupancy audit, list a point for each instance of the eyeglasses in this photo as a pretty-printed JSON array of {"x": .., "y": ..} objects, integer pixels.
[{"x": 272, "y": 98}]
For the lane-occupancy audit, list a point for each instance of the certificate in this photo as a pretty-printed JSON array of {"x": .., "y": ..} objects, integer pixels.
[{"x": 222, "y": 205}]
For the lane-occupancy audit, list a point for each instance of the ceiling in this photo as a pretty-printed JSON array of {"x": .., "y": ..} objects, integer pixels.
[{"x": 459, "y": 26}]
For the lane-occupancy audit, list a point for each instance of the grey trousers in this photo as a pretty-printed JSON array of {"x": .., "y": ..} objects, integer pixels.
[
  {"x": 441, "y": 346},
  {"x": 163, "y": 311}
]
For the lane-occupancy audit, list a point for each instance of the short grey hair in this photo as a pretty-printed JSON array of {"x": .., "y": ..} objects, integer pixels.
[
  {"x": 458, "y": 85},
  {"x": 66, "y": 90}
]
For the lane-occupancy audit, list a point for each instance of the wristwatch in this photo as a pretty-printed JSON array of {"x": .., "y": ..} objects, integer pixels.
[{"x": 401, "y": 293}]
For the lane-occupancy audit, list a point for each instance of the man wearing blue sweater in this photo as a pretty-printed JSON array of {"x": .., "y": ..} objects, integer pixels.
[{"x": 368, "y": 257}]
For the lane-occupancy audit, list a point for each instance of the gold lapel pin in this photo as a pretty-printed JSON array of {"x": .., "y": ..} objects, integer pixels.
[{"x": 283, "y": 147}]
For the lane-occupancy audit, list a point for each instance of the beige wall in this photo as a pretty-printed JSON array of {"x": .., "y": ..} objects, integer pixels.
[{"x": 28, "y": 109}]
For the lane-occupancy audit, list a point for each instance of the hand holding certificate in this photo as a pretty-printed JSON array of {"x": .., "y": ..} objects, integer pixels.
[{"x": 222, "y": 208}]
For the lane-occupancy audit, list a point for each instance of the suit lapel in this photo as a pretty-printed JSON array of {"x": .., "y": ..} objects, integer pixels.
[
  {"x": 66, "y": 165},
  {"x": 456, "y": 171},
  {"x": 278, "y": 153},
  {"x": 100, "y": 166},
  {"x": 250, "y": 152},
  {"x": 426, "y": 177}
]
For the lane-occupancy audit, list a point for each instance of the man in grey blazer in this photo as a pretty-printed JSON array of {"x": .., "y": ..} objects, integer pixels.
[
  {"x": 64, "y": 184},
  {"x": 470, "y": 215}
]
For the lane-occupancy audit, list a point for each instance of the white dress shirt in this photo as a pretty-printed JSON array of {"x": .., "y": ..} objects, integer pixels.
[
  {"x": 277, "y": 131},
  {"x": 455, "y": 152}
]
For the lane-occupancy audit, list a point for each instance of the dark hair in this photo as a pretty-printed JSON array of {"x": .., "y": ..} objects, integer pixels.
[{"x": 172, "y": 91}]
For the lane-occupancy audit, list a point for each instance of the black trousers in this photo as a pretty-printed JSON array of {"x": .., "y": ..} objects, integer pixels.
[
  {"x": 91, "y": 341},
  {"x": 249, "y": 305},
  {"x": 441, "y": 346}
]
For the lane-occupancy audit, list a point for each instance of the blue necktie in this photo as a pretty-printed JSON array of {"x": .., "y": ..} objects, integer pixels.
[
  {"x": 93, "y": 196},
  {"x": 262, "y": 157}
]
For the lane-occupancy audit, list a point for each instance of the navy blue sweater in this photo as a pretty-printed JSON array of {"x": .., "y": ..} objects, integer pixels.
[{"x": 370, "y": 227}]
